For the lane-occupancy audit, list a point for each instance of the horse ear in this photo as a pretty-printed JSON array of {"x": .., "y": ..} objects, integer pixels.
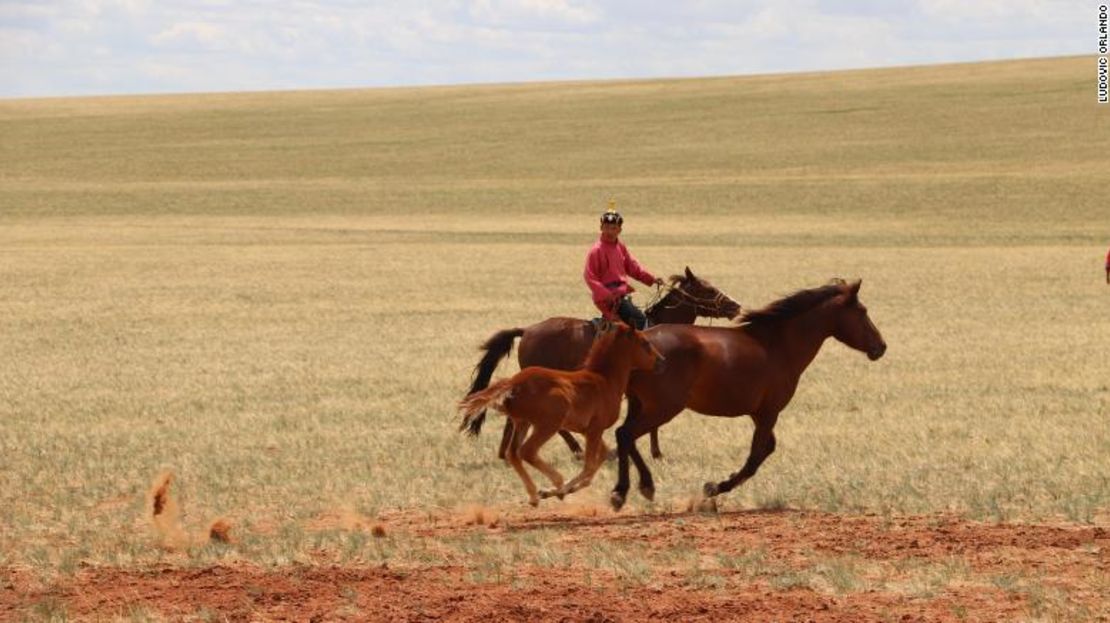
[
  {"x": 853, "y": 289},
  {"x": 689, "y": 275}
]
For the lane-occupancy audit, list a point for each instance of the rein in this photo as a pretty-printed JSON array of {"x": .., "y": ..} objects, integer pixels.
[{"x": 713, "y": 305}]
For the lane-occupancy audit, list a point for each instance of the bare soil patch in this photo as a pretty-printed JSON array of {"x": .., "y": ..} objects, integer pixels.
[{"x": 810, "y": 567}]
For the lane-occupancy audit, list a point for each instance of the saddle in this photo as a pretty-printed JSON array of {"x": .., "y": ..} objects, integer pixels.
[{"x": 601, "y": 325}]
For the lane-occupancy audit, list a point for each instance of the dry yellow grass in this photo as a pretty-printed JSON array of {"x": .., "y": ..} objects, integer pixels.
[{"x": 279, "y": 296}]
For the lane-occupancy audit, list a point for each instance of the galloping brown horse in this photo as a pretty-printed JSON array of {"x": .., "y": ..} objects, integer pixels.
[
  {"x": 748, "y": 369},
  {"x": 586, "y": 401},
  {"x": 562, "y": 343}
]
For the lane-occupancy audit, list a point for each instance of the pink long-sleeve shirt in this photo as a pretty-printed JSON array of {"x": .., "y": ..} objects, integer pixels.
[{"x": 608, "y": 264}]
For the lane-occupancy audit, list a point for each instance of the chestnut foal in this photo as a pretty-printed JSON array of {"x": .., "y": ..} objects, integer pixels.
[{"x": 585, "y": 401}]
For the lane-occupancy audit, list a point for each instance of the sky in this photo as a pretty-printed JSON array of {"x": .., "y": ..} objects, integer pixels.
[{"x": 99, "y": 47}]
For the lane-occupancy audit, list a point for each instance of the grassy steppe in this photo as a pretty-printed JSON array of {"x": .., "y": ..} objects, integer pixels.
[{"x": 279, "y": 295}]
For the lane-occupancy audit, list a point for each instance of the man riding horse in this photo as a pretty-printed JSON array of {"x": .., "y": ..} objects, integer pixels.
[
  {"x": 562, "y": 343},
  {"x": 608, "y": 265}
]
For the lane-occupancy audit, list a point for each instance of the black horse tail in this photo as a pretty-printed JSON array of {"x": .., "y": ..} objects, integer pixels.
[
  {"x": 497, "y": 347},
  {"x": 493, "y": 396}
]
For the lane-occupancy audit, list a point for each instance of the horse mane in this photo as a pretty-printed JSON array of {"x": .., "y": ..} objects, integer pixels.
[{"x": 792, "y": 305}]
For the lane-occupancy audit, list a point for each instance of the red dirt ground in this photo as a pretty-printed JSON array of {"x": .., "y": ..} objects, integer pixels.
[{"x": 933, "y": 568}]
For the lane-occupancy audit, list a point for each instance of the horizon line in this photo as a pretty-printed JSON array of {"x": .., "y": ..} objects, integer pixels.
[{"x": 531, "y": 83}]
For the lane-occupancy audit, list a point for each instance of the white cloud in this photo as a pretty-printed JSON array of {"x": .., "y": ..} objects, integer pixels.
[
  {"x": 12, "y": 13},
  {"x": 550, "y": 13},
  {"x": 767, "y": 23},
  {"x": 1005, "y": 10},
  {"x": 25, "y": 44},
  {"x": 75, "y": 28},
  {"x": 203, "y": 34},
  {"x": 562, "y": 10}
]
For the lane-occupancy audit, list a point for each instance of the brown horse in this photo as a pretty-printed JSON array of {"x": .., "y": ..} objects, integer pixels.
[
  {"x": 748, "y": 369},
  {"x": 586, "y": 401},
  {"x": 562, "y": 343}
]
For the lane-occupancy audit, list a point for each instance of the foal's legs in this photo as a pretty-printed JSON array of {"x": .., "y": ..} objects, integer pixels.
[
  {"x": 529, "y": 451},
  {"x": 513, "y": 456},
  {"x": 507, "y": 435},
  {"x": 763, "y": 444},
  {"x": 595, "y": 456}
]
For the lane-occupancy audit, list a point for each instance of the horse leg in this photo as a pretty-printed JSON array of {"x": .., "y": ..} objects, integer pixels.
[
  {"x": 763, "y": 444},
  {"x": 595, "y": 456},
  {"x": 656, "y": 453},
  {"x": 572, "y": 443},
  {"x": 635, "y": 425},
  {"x": 600, "y": 454},
  {"x": 517, "y": 432},
  {"x": 627, "y": 434},
  {"x": 513, "y": 456},
  {"x": 620, "y": 490},
  {"x": 529, "y": 451},
  {"x": 506, "y": 439},
  {"x": 647, "y": 482}
]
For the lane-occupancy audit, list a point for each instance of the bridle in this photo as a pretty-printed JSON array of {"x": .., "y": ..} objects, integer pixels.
[{"x": 713, "y": 305}]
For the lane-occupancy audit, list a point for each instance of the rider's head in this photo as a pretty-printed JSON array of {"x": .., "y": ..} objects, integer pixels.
[
  {"x": 611, "y": 222},
  {"x": 611, "y": 216}
]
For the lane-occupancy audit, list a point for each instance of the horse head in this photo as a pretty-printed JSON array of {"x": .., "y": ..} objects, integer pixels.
[
  {"x": 853, "y": 326},
  {"x": 706, "y": 299}
]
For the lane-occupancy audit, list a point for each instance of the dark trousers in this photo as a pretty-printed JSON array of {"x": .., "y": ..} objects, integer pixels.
[{"x": 631, "y": 315}]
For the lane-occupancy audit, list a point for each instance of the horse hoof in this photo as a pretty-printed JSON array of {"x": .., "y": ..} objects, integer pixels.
[
  {"x": 534, "y": 502},
  {"x": 611, "y": 455},
  {"x": 657, "y": 455},
  {"x": 617, "y": 500},
  {"x": 552, "y": 493},
  {"x": 710, "y": 489},
  {"x": 708, "y": 505},
  {"x": 648, "y": 493}
]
